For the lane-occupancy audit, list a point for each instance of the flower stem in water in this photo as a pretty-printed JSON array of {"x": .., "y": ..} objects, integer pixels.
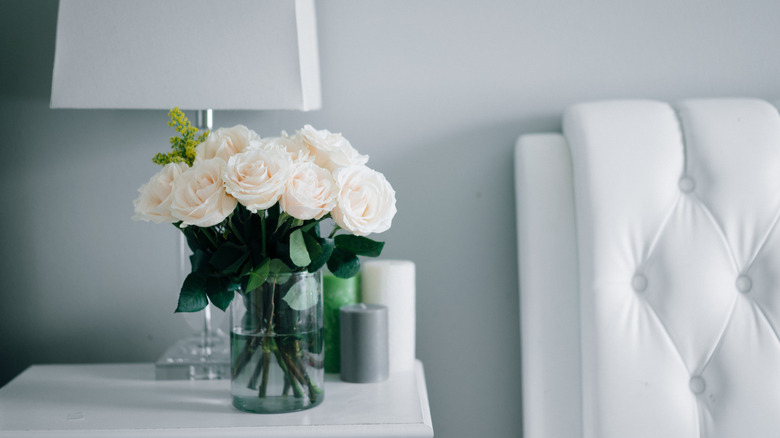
[{"x": 266, "y": 365}]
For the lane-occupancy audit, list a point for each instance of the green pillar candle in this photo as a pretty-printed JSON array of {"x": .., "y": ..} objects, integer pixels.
[{"x": 336, "y": 292}]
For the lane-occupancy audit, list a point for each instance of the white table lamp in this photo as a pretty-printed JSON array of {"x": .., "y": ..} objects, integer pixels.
[{"x": 193, "y": 54}]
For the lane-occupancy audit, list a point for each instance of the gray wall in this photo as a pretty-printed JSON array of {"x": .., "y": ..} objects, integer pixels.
[{"x": 435, "y": 92}]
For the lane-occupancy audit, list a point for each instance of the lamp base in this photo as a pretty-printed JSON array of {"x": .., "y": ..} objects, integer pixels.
[{"x": 196, "y": 358}]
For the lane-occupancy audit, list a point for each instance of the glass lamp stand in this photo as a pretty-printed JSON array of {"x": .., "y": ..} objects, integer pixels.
[{"x": 205, "y": 355}]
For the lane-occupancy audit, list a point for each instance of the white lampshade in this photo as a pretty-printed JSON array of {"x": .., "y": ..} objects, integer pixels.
[{"x": 194, "y": 54}]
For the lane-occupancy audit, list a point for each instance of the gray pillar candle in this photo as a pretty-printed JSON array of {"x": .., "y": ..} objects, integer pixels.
[{"x": 364, "y": 353}]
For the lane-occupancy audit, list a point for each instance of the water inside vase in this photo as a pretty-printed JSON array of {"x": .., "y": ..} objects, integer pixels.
[{"x": 274, "y": 373}]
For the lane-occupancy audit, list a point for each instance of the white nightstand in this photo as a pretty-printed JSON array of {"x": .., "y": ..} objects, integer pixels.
[{"x": 124, "y": 400}]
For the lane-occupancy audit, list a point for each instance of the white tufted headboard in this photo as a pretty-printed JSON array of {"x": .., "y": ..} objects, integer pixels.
[{"x": 649, "y": 268}]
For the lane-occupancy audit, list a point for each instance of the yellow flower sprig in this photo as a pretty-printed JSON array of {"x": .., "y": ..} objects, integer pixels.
[{"x": 183, "y": 147}]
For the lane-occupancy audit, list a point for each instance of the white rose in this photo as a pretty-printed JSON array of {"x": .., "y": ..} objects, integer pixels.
[
  {"x": 226, "y": 142},
  {"x": 366, "y": 201},
  {"x": 294, "y": 145},
  {"x": 330, "y": 150},
  {"x": 199, "y": 196},
  {"x": 257, "y": 177},
  {"x": 154, "y": 201},
  {"x": 310, "y": 192}
]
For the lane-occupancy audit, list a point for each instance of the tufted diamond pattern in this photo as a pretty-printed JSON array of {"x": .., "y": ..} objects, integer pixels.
[{"x": 677, "y": 211}]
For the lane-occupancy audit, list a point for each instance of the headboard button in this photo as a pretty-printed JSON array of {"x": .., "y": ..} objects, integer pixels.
[
  {"x": 686, "y": 184},
  {"x": 697, "y": 384},
  {"x": 639, "y": 283},
  {"x": 744, "y": 284}
]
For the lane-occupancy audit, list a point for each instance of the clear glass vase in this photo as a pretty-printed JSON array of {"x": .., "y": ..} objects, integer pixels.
[{"x": 276, "y": 345}]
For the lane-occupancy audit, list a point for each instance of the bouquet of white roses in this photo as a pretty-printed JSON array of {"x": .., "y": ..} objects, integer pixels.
[
  {"x": 252, "y": 206},
  {"x": 251, "y": 209}
]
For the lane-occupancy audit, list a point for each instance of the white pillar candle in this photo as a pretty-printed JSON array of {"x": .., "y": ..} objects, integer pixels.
[{"x": 392, "y": 283}]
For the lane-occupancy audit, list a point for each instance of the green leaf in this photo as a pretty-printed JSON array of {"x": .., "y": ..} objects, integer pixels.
[
  {"x": 298, "y": 252},
  {"x": 219, "y": 293},
  {"x": 233, "y": 284},
  {"x": 359, "y": 245},
  {"x": 312, "y": 246},
  {"x": 234, "y": 229},
  {"x": 196, "y": 239},
  {"x": 198, "y": 260},
  {"x": 273, "y": 221},
  {"x": 343, "y": 264},
  {"x": 303, "y": 295},
  {"x": 210, "y": 236},
  {"x": 326, "y": 246},
  {"x": 193, "y": 296},
  {"x": 192, "y": 239},
  {"x": 279, "y": 266},
  {"x": 309, "y": 226},
  {"x": 245, "y": 270},
  {"x": 229, "y": 257},
  {"x": 236, "y": 266},
  {"x": 258, "y": 276}
]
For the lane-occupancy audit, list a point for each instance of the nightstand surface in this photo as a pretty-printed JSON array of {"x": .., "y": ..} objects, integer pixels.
[{"x": 124, "y": 400}]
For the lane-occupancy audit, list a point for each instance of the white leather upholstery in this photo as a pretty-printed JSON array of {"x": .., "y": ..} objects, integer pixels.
[
  {"x": 664, "y": 323},
  {"x": 549, "y": 302}
]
